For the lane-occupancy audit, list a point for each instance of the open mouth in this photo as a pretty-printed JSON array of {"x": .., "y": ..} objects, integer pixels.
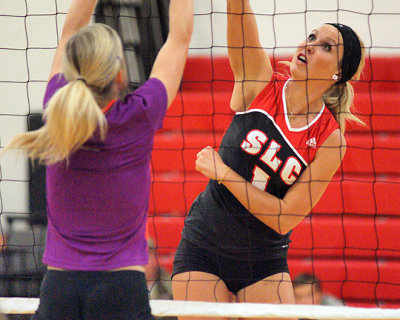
[{"x": 301, "y": 57}]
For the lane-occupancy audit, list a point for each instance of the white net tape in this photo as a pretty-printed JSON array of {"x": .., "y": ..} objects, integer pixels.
[{"x": 236, "y": 310}]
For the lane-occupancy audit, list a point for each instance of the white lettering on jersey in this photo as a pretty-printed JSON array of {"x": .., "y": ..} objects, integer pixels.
[
  {"x": 260, "y": 178},
  {"x": 253, "y": 144},
  {"x": 290, "y": 171},
  {"x": 269, "y": 157},
  {"x": 254, "y": 141}
]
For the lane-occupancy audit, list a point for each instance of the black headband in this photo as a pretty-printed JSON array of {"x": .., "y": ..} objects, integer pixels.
[{"x": 351, "y": 53}]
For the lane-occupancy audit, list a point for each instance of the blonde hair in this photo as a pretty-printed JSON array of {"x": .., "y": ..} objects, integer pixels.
[
  {"x": 339, "y": 98},
  {"x": 92, "y": 60}
]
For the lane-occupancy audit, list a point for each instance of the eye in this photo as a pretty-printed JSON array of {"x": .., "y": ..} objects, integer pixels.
[
  {"x": 311, "y": 37},
  {"x": 327, "y": 46}
]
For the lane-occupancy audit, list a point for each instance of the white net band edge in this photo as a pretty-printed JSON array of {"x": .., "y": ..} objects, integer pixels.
[{"x": 212, "y": 309}]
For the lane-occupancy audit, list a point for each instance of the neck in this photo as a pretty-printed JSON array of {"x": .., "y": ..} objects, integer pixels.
[{"x": 302, "y": 98}]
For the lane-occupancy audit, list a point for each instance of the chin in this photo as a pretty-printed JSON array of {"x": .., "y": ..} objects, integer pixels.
[
  {"x": 298, "y": 75},
  {"x": 297, "y": 72}
]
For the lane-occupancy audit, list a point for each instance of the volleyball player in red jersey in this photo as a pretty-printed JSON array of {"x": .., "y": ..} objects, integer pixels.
[{"x": 285, "y": 143}]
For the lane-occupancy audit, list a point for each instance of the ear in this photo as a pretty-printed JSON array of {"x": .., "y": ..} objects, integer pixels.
[
  {"x": 119, "y": 79},
  {"x": 337, "y": 75}
]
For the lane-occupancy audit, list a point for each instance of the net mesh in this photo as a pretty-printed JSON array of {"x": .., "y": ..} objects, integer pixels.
[
  {"x": 350, "y": 240},
  {"x": 162, "y": 308}
]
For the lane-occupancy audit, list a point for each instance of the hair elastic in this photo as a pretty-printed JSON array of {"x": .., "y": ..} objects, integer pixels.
[
  {"x": 81, "y": 79},
  {"x": 351, "y": 53}
]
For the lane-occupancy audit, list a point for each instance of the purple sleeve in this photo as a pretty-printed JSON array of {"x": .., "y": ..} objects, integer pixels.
[
  {"x": 154, "y": 101},
  {"x": 56, "y": 82}
]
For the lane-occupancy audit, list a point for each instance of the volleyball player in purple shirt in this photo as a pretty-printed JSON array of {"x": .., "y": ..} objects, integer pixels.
[{"x": 97, "y": 149}]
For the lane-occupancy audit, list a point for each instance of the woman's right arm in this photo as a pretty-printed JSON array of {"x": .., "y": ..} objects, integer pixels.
[
  {"x": 78, "y": 16},
  {"x": 170, "y": 62},
  {"x": 249, "y": 62},
  {"x": 282, "y": 215}
]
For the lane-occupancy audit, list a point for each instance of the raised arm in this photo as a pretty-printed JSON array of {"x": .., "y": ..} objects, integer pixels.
[
  {"x": 78, "y": 16},
  {"x": 282, "y": 215},
  {"x": 171, "y": 59},
  {"x": 249, "y": 62}
]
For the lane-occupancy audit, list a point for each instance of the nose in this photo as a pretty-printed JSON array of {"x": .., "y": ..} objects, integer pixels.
[{"x": 309, "y": 48}]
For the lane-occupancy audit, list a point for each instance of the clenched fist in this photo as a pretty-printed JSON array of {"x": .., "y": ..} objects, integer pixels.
[{"x": 210, "y": 164}]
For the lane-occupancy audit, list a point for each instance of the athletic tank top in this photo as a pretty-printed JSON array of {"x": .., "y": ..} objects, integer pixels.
[{"x": 262, "y": 147}]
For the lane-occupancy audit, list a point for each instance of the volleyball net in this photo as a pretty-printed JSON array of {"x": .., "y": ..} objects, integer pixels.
[
  {"x": 350, "y": 241},
  {"x": 163, "y": 308}
]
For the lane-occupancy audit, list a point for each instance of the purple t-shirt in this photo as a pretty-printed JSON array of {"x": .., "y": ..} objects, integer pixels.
[{"x": 97, "y": 204}]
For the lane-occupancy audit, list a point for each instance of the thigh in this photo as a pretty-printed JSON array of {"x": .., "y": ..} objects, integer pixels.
[
  {"x": 59, "y": 297},
  {"x": 199, "y": 286},
  {"x": 275, "y": 289},
  {"x": 196, "y": 275},
  {"x": 117, "y": 295}
]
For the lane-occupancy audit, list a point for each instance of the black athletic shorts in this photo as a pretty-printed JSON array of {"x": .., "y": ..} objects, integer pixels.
[
  {"x": 236, "y": 274},
  {"x": 88, "y": 295}
]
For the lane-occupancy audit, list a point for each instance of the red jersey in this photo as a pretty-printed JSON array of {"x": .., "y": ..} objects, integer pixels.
[
  {"x": 306, "y": 140},
  {"x": 262, "y": 147}
]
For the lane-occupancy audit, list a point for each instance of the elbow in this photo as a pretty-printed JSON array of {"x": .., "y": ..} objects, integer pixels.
[
  {"x": 185, "y": 36},
  {"x": 181, "y": 20},
  {"x": 181, "y": 32},
  {"x": 281, "y": 218},
  {"x": 282, "y": 230},
  {"x": 181, "y": 38},
  {"x": 187, "y": 33},
  {"x": 287, "y": 221},
  {"x": 280, "y": 223}
]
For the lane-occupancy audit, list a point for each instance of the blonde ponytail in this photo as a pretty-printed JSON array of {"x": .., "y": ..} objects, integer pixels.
[
  {"x": 91, "y": 63},
  {"x": 71, "y": 118},
  {"x": 339, "y": 98}
]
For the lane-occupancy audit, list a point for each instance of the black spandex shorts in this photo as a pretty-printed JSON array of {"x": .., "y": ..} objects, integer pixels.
[
  {"x": 236, "y": 274},
  {"x": 81, "y": 295}
]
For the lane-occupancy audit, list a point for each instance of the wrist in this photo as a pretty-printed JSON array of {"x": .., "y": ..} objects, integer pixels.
[{"x": 224, "y": 174}]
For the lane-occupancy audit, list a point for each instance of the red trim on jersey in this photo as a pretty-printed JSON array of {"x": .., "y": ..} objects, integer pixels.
[
  {"x": 270, "y": 101},
  {"x": 108, "y": 106}
]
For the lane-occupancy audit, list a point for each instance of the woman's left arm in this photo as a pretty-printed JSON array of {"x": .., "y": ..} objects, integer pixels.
[{"x": 282, "y": 215}]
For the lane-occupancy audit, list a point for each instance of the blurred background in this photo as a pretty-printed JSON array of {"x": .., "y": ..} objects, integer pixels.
[{"x": 350, "y": 241}]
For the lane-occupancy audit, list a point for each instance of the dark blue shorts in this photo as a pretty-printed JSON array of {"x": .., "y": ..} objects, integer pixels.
[
  {"x": 236, "y": 274},
  {"x": 81, "y": 295}
]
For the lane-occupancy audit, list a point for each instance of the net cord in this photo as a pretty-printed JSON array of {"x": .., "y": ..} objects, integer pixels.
[{"x": 247, "y": 310}]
